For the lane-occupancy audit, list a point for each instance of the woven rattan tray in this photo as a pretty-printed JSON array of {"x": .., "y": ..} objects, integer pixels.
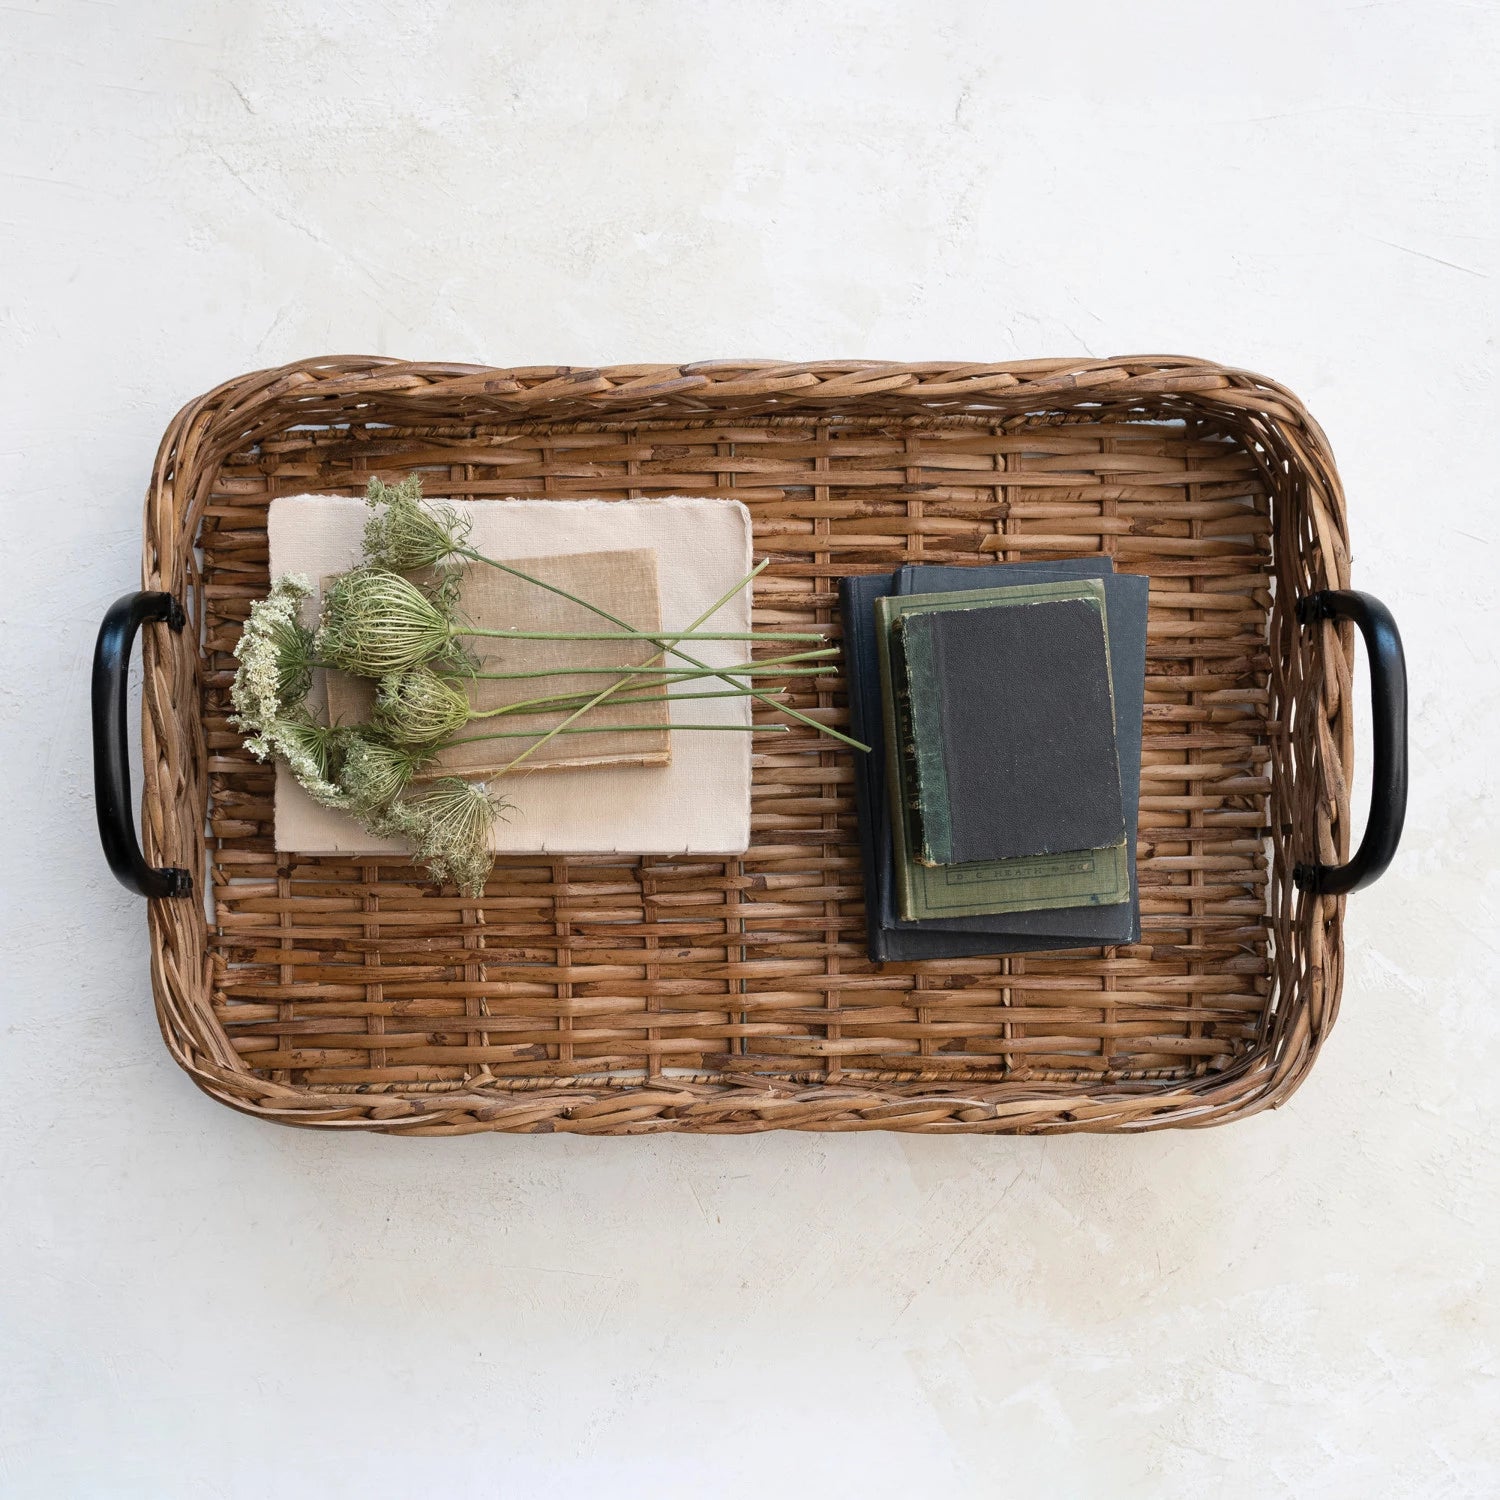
[{"x": 617, "y": 995}]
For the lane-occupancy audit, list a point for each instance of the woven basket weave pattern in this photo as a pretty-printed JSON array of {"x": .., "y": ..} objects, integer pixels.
[{"x": 624, "y": 995}]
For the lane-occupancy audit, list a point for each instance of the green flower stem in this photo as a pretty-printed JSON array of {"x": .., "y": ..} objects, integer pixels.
[
  {"x": 636, "y": 635},
  {"x": 552, "y": 588},
  {"x": 604, "y": 614},
  {"x": 620, "y": 682},
  {"x": 668, "y": 678},
  {"x": 784, "y": 666},
  {"x": 563, "y": 702},
  {"x": 526, "y": 734}
]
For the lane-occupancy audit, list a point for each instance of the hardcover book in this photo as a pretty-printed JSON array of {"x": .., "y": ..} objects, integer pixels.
[
  {"x": 1012, "y": 726},
  {"x": 1057, "y": 878}
]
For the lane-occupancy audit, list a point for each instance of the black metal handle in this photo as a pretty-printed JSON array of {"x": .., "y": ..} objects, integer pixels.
[
  {"x": 1388, "y": 712},
  {"x": 111, "y": 750}
]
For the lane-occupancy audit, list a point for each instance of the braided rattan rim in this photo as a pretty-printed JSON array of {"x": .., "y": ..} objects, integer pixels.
[{"x": 1311, "y": 757}]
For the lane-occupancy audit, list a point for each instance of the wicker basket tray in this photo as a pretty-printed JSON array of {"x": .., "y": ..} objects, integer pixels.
[{"x": 614, "y": 995}]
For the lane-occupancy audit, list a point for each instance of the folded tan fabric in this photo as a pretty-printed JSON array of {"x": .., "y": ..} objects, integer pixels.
[
  {"x": 622, "y": 582},
  {"x": 700, "y": 801}
]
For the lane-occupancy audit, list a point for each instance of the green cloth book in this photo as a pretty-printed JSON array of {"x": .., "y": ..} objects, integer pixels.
[
  {"x": 1096, "y": 876},
  {"x": 1012, "y": 729}
]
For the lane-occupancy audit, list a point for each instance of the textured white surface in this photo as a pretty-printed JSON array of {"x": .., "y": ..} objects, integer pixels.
[{"x": 194, "y": 1304}]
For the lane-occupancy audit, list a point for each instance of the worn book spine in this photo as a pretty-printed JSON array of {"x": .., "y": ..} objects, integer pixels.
[
  {"x": 857, "y": 595},
  {"x": 895, "y": 781},
  {"x": 932, "y": 818}
]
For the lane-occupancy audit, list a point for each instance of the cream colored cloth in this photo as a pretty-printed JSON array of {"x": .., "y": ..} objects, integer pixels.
[{"x": 700, "y": 803}]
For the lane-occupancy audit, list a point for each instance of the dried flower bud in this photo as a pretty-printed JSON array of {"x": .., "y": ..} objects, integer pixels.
[
  {"x": 375, "y": 622},
  {"x": 375, "y": 773},
  {"x": 417, "y": 707},
  {"x": 403, "y": 534},
  {"x": 449, "y": 822}
]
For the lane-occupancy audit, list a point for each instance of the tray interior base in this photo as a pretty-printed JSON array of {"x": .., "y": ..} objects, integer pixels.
[{"x": 349, "y": 974}]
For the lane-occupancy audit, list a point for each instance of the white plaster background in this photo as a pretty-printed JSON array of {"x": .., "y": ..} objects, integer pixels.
[{"x": 193, "y": 1304}]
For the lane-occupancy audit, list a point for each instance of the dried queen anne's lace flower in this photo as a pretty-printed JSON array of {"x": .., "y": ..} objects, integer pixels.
[
  {"x": 313, "y": 753},
  {"x": 374, "y": 774},
  {"x": 371, "y": 618},
  {"x": 403, "y": 534},
  {"x": 375, "y": 622},
  {"x": 276, "y": 657},
  {"x": 417, "y": 707},
  {"x": 448, "y": 823}
]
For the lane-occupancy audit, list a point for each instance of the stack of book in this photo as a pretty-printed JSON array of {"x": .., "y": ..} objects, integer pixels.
[{"x": 998, "y": 804}]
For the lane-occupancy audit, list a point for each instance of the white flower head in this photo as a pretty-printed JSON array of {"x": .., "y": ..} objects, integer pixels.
[
  {"x": 276, "y": 656},
  {"x": 312, "y": 752}
]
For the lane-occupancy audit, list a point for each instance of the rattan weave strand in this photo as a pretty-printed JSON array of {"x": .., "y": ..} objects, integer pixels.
[{"x": 615, "y": 996}]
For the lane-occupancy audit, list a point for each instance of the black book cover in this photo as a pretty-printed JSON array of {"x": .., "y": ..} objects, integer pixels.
[
  {"x": 1013, "y": 723},
  {"x": 893, "y": 941}
]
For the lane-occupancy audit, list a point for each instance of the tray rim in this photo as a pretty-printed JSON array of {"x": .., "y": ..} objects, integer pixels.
[{"x": 1270, "y": 422}]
